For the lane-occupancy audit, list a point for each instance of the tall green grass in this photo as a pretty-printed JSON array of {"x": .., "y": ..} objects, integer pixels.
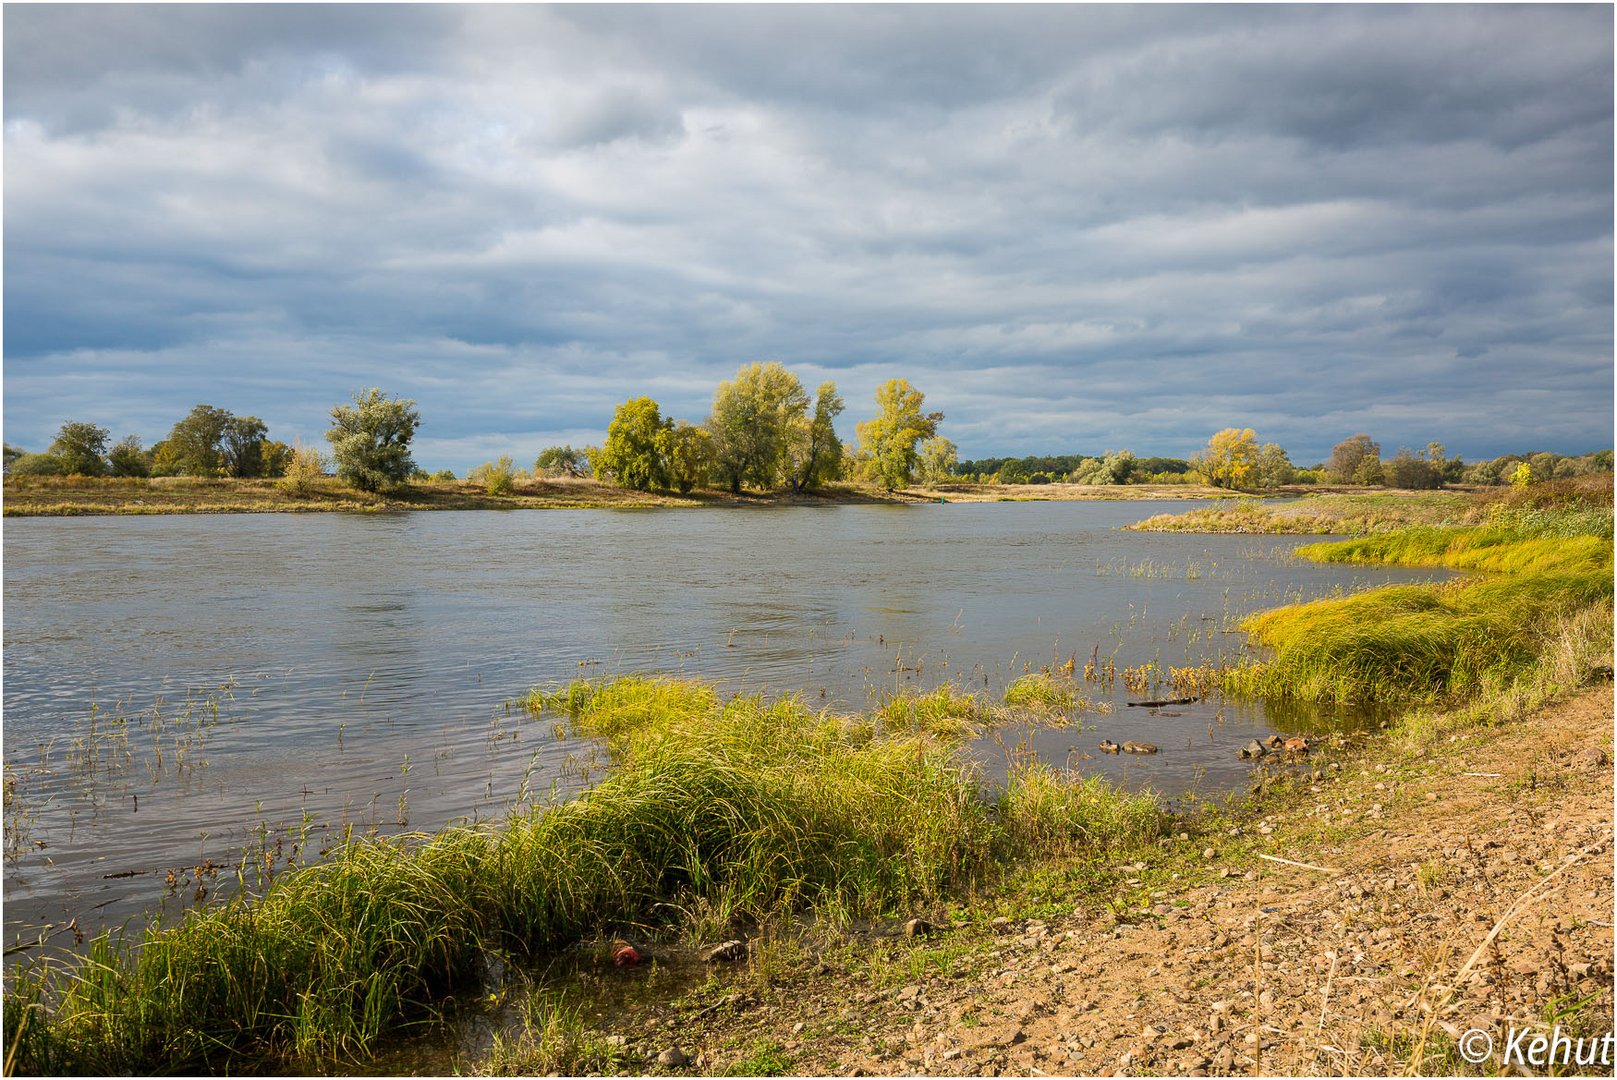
[
  {"x": 746, "y": 806},
  {"x": 1546, "y": 569}
]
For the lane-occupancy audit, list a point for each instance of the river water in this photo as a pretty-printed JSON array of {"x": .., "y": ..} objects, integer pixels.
[{"x": 181, "y": 690}]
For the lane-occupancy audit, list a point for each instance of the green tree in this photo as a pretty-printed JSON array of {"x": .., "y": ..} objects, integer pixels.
[
  {"x": 1229, "y": 458},
  {"x": 1369, "y": 472},
  {"x": 813, "y": 449},
  {"x": 891, "y": 435},
  {"x": 1272, "y": 468},
  {"x": 938, "y": 457},
  {"x": 370, "y": 439},
  {"x": 635, "y": 446},
  {"x": 194, "y": 445},
  {"x": 12, "y": 453},
  {"x": 38, "y": 465},
  {"x": 688, "y": 450},
  {"x": 126, "y": 458},
  {"x": 241, "y": 447},
  {"x": 276, "y": 457},
  {"x": 81, "y": 448},
  {"x": 561, "y": 461},
  {"x": 1411, "y": 470},
  {"x": 1348, "y": 457},
  {"x": 751, "y": 421}
]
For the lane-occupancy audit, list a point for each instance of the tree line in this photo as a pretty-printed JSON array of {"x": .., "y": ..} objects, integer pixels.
[
  {"x": 370, "y": 448},
  {"x": 763, "y": 432}
]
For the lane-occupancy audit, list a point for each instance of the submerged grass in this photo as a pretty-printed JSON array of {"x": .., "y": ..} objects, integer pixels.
[{"x": 746, "y": 807}]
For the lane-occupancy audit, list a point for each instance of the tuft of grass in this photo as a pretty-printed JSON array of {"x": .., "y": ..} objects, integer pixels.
[
  {"x": 1042, "y": 693},
  {"x": 554, "y": 1040},
  {"x": 1048, "y": 810}
]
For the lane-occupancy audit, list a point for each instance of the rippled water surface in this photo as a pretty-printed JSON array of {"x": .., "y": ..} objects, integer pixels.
[{"x": 181, "y": 689}]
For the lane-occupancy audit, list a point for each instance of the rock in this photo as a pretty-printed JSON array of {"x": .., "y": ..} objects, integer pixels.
[
  {"x": 1274, "y": 742},
  {"x": 1296, "y": 745},
  {"x": 674, "y": 1058},
  {"x": 916, "y": 928},
  {"x": 1139, "y": 747},
  {"x": 1209, "y": 853},
  {"x": 726, "y": 952},
  {"x": 619, "y": 1042},
  {"x": 1253, "y": 749},
  {"x": 625, "y": 955},
  {"x": 1107, "y": 746},
  {"x": 1594, "y": 757},
  {"x": 908, "y": 994}
]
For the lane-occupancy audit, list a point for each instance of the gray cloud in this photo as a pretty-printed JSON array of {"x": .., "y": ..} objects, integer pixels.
[{"x": 1075, "y": 228}]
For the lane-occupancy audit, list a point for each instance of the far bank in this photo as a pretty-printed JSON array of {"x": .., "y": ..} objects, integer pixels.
[{"x": 70, "y": 496}]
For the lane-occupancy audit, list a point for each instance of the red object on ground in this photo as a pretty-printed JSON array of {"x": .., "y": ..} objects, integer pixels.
[{"x": 626, "y": 956}]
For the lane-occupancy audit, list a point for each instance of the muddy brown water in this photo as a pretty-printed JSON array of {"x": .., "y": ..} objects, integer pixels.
[{"x": 180, "y": 691}]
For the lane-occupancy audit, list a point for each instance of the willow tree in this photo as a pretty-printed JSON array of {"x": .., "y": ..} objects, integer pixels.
[
  {"x": 635, "y": 451},
  {"x": 751, "y": 422},
  {"x": 813, "y": 449},
  {"x": 370, "y": 440},
  {"x": 890, "y": 437}
]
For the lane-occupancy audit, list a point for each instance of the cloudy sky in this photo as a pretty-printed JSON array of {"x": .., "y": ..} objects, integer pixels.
[{"x": 1075, "y": 228}]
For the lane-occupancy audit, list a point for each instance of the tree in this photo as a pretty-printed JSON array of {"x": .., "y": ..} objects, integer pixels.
[
  {"x": 126, "y": 458},
  {"x": 194, "y": 445},
  {"x": 38, "y": 465},
  {"x": 688, "y": 450},
  {"x": 561, "y": 461},
  {"x": 938, "y": 457},
  {"x": 1369, "y": 471},
  {"x": 635, "y": 445},
  {"x": 370, "y": 439},
  {"x": 276, "y": 457},
  {"x": 1273, "y": 468},
  {"x": 12, "y": 453},
  {"x": 891, "y": 435},
  {"x": 241, "y": 447},
  {"x": 1411, "y": 470},
  {"x": 81, "y": 448},
  {"x": 1348, "y": 457},
  {"x": 1229, "y": 458},
  {"x": 814, "y": 450},
  {"x": 750, "y": 421}
]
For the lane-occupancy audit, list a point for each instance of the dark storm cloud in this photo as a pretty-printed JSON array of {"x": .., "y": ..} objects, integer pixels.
[{"x": 1075, "y": 228}]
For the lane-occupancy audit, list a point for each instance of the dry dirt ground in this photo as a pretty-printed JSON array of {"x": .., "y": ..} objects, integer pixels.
[{"x": 1467, "y": 884}]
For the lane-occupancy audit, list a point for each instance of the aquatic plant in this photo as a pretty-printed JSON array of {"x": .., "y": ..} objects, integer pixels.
[{"x": 1041, "y": 692}]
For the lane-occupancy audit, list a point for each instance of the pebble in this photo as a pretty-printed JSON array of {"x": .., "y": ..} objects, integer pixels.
[{"x": 673, "y": 1057}]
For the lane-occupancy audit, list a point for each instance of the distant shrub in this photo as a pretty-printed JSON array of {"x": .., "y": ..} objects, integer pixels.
[
  {"x": 495, "y": 477},
  {"x": 304, "y": 466}
]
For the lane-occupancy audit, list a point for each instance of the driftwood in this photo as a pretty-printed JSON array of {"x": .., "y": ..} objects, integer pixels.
[{"x": 1164, "y": 701}]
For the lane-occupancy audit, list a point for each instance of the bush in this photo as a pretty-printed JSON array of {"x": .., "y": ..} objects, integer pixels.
[
  {"x": 495, "y": 477},
  {"x": 305, "y": 466}
]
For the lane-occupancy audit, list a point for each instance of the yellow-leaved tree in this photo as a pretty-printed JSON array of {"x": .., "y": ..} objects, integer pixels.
[{"x": 1229, "y": 458}]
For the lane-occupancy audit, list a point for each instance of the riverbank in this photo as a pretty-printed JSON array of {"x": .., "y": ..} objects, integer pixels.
[
  {"x": 76, "y": 496},
  {"x": 1360, "y": 912}
]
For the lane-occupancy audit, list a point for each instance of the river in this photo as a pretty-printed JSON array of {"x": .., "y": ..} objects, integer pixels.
[{"x": 179, "y": 690}]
